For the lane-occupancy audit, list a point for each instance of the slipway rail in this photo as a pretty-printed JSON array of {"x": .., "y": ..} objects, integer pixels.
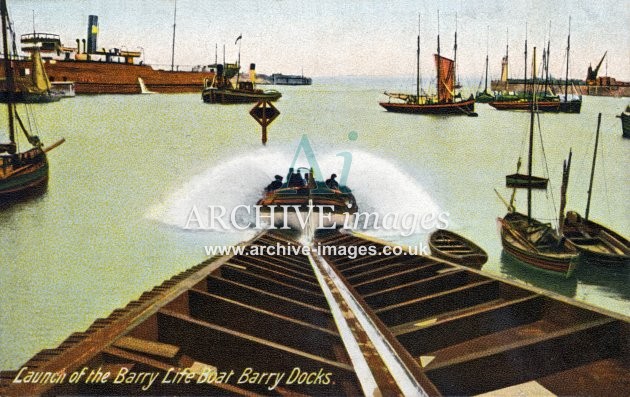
[{"x": 312, "y": 323}]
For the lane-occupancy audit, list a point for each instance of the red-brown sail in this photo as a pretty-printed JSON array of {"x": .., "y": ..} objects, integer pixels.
[{"x": 446, "y": 73}]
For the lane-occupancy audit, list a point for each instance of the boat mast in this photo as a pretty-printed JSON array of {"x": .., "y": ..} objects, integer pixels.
[
  {"x": 590, "y": 185},
  {"x": 238, "y": 64},
  {"x": 547, "y": 60},
  {"x": 418, "y": 65},
  {"x": 507, "y": 60},
  {"x": 455, "y": 54},
  {"x": 563, "y": 192},
  {"x": 173, "y": 47},
  {"x": 525, "y": 75},
  {"x": 485, "y": 89},
  {"x": 8, "y": 70},
  {"x": 438, "y": 60},
  {"x": 566, "y": 75},
  {"x": 531, "y": 147}
]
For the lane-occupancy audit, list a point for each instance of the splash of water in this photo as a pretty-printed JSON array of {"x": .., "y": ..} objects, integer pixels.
[{"x": 378, "y": 185}]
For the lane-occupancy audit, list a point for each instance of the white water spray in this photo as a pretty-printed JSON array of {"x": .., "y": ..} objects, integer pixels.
[{"x": 378, "y": 186}]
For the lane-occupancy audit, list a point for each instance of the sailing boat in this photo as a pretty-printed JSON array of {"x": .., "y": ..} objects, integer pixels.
[
  {"x": 21, "y": 172},
  {"x": 30, "y": 86},
  {"x": 525, "y": 100},
  {"x": 575, "y": 104},
  {"x": 485, "y": 96},
  {"x": 533, "y": 242},
  {"x": 596, "y": 243},
  {"x": 445, "y": 103}
]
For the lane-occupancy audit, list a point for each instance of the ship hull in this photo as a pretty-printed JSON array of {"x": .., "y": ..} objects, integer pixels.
[
  {"x": 614, "y": 90},
  {"x": 92, "y": 77},
  {"x": 597, "y": 244},
  {"x": 458, "y": 108},
  {"x": 484, "y": 97},
  {"x": 24, "y": 180},
  {"x": 559, "y": 260},
  {"x": 541, "y": 106},
  {"x": 574, "y": 106},
  {"x": 28, "y": 97},
  {"x": 227, "y": 96},
  {"x": 625, "y": 124}
]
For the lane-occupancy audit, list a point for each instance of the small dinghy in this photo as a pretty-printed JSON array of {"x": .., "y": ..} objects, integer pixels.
[{"x": 455, "y": 248}]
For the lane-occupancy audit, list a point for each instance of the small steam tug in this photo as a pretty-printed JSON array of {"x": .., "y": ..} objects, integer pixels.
[{"x": 220, "y": 89}]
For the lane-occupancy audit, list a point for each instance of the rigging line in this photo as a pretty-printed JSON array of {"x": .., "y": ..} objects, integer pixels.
[
  {"x": 524, "y": 138},
  {"x": 542, "y": 145},
  {"x": 603, "y": 161}
]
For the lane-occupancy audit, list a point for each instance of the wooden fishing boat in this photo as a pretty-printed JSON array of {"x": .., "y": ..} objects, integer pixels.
[
  {"x": 446, "y": 102},
  {"x": 30, "y": 83},
  {"x": 573, "y": 104},
  {"x": 537, "y": 244},
  {"x": 523, "y": 100},
  {"x": 523, "y": 181},
  {"x": 525, "y": 103},
  {"x": 21, "y": 172},
  {"x": 220, "y": 89},
  {"x": 452, "y": 247},
  {"x": 532, "y": 242},
  {"x": 597, "y": 244},
  {"x": 485, "y": 96},
  {"x": 301, "y": 198}
]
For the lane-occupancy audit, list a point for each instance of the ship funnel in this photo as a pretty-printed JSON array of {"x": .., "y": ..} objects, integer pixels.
[
  {"x": 92, "y": 34},
  {"x": 220, "y": 69},
  {"x": 252, "y": 72}
]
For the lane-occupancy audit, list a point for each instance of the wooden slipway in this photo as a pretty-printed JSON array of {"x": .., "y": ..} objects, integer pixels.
[{"x": 317, "y": 323}]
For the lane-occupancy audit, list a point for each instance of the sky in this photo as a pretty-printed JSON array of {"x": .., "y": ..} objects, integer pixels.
[{"x": 343, "y": 37}]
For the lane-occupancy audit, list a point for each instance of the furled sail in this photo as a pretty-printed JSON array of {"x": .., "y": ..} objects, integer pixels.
[{"x": 446, "y": 83}]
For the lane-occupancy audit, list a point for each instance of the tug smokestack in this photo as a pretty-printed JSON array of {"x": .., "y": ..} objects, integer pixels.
[
  {"x": 92, "y": 34},
  {"x": 252, "y": 72}
]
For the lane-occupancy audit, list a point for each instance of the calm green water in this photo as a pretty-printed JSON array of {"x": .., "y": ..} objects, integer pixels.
[{"x": 110, "y": 225}]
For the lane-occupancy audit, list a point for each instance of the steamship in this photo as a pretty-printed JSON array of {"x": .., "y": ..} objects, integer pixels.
[{"x": 109, "y": 71}]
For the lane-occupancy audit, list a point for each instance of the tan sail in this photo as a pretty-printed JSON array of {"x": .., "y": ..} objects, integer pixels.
[{"x": 40, "y": 78}]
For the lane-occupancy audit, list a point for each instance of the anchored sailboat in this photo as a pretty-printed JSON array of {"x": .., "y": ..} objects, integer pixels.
[
  {"x": 485, "y": 96},
  {"x": 545, "y": 102},
  {"x": 447, "y": 102},
  {"x": 21, "y": 172},
  {"x": 573, "y": 105},
  {"x": 30, "y": 85},
  {"x": 531, "y": 241},
  {"x": 597, "y": 244}
]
